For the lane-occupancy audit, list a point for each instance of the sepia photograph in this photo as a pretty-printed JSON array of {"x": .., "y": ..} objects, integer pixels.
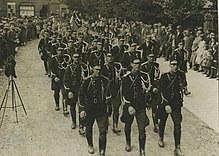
[{"x": 109, "y": 78}]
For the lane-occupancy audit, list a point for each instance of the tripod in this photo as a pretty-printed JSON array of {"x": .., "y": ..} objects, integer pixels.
[{"x": 11, "y": 85}]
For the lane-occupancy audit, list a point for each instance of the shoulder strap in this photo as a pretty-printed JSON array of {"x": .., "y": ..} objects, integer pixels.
[{"x": 171, "y": 82}]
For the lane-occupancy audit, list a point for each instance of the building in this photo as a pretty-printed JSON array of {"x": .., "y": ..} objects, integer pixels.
[
  {"x": 32, "y": 7},
  {"x": 3, "y": 8}
]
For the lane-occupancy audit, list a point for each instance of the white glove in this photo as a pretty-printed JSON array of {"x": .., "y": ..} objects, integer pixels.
[
  {"x": 70, "y": 95},
  {"x": 155, "y": 90},
  {"x": 57, "y": 79},
  {"x": 82, "y": 114},
  {"x": 168, "y": 109},
  {"x": 131, "y": 110}
]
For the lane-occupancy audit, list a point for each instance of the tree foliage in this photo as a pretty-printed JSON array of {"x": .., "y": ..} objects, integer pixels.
[
  {"x": 175, "y": 11},
  {"x": 179, "y": 11}
]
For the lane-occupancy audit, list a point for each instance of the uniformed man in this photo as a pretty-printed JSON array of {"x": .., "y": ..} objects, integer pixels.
[
  {"x": 152, "y": 68},
  {"x": 172, "y": 101},
  {"x": 181, "y": 55},
  {"x": 42, "y": 47},
  {"x": 73, "y": 77},
  {"x": 147, "y": 47},
  {"x": 114, "y": 72},
  {"x": 97, "y": 55},
  {"x": 93, "y": 106},
  {"x": 81, "y": 48},
  {"x": 51, "y": 50},
  {"x": 130, "y": 55},
  {"x": 119, "y": 50},
  {"x": 58, "y": 66},
  {"x": 135, "y": 86}
]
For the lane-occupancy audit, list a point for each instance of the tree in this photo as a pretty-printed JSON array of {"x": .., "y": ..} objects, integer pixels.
[{"x": 179, "y": 11}]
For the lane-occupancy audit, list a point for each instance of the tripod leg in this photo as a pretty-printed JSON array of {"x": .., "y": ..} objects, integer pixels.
[
  {"x": 4, "y": 108},
  {"x": 20, "y": 98},
  {"x": 14, "y": 100},
  {"x": 12, "y": 95},
  {"x": 6, "y": 94}
]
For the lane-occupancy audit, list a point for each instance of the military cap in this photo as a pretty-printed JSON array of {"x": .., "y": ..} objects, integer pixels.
[
  {"x": 178, "y": 27},
  {"x": 109, "y": 54},
  {"x": 180, "y": 43},
  {"x": 99, "y": 43},
  {"x": 76, "y": 55},
  {"x": 150, "y": 54},
  {"x": 173, "y": 60},
  {"x": 133, "y": 44},
  {"x": 95, "y": 40},
  {"x": 60, "y": 49},
  {"x": 201, "y": 35},
  {"x": 70, "y": 41},
  {"x": 59, "y": 37},
  {"x": 200, "y": 28},
  {"x": 136, "y": 61}
]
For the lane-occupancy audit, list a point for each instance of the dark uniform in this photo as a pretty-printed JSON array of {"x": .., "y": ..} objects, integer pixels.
[
  {"x": 129, "y": 56},
  {"x": 74, "y": 75},
  {"x": 58, "y": 65},
  {"x": 134, "y": 87},
  {"x": 147, "y": 47},
  {"x": 81, "y": 48},
  {"x": 181, "y": 56},
  {"x": 172, "y": 97},
  {"x": 97, "y": 56},
  {"x": 42, "y": 47},
  {"x": 118, "y": 51},
  {"x": 113, "y": 71},
  {"x": 93, "y": 101},
  {"x": 152, "y": 68}
]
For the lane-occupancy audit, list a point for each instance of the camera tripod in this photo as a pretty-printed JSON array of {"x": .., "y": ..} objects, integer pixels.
[{"x": 13, "y": 87}]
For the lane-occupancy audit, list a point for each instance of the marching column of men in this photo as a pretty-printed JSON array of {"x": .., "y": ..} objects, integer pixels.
[{"x": 100, "y": 78}]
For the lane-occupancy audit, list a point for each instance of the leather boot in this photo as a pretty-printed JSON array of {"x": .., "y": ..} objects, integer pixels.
[
  {"x": 142, "y": 145},
  {"x": 102, "y": 146},
  {"x": 178, "y": 152},
  {"x": 128, "y": 140},
  {"x": 186, "y": 92},
  {"x": 160, "y": 142}
]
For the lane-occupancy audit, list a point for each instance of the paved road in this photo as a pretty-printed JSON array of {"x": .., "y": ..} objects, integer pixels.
[{"x": 45, "y": 132}]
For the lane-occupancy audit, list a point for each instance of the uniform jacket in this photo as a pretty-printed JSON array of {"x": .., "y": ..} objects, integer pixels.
[
  {"x": 134, "y": 87},
  {"x": 171, "y": 89},
  {"x": 93, "y": 94}
]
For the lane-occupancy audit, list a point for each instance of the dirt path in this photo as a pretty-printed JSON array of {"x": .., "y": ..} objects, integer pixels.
[{"x": 45, "y": 132}]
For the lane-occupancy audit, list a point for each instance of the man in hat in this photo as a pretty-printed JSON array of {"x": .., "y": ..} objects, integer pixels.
[
  {"x": 130, "y": 55},
  {"x": 152, "y": 68},
  {"x": 81, "y": 47},
  {"x": 135, "y": 86},
  {"x": 181, "y": 55},
  {"x": 12, "y": 39},
  {"x": 73, "y": 77},
  {"x": 172, "y": 101},
  {"x": 4, "y": 50},
  {"x": 93, "y": 106},
  {"x": 67, "y": 36},
  {"x": 97, "y": 55},
  {"x": 119, "y": 50},
  {"x": 146, "y": 47},
  {"x": 42, "y": 47},
  {"x": 58, "y": 64},
  {"x": 179, "y": 35},
  {"x": 91, "y": 48},
  {"x": 114, "y": 72}
]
